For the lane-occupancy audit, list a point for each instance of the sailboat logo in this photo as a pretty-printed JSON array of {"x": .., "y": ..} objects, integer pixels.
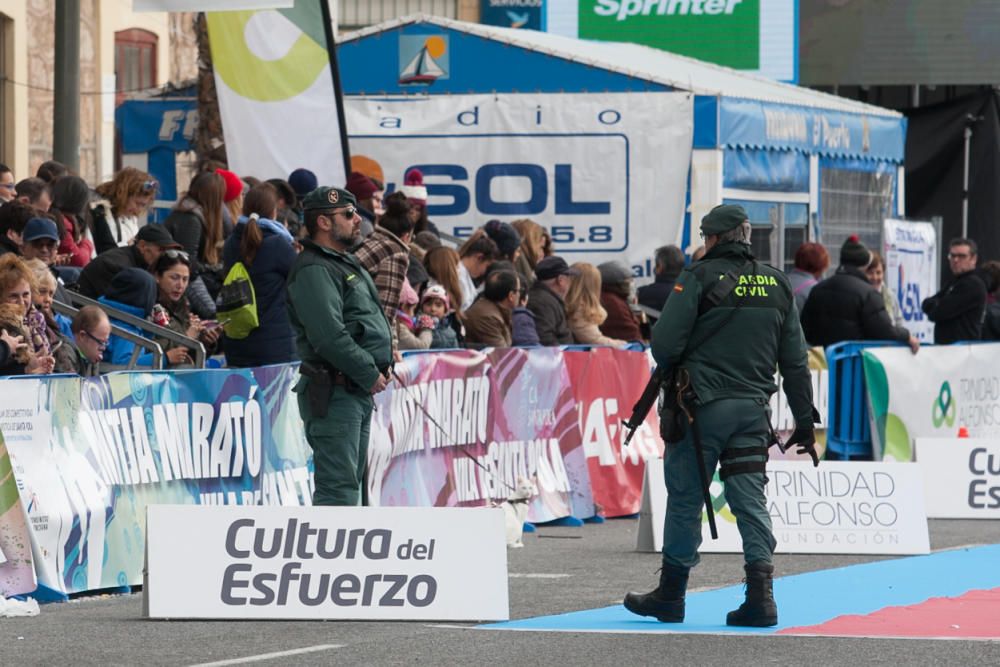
[{"x": 423, "y": 59}]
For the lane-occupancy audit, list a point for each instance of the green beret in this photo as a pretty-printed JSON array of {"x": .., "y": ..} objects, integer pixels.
[
  {"x": 723, "y": 218},
  {"x": 325, "y": 198}
]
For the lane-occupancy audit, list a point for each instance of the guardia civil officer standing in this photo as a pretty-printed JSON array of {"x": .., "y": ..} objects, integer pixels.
[
  {"x": 344, "y": 343},
  {"x": 724, "y": 344}
]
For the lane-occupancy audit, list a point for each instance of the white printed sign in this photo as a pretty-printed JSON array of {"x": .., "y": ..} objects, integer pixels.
[
  {"x": 961, "y": 477},
  {"x": 326, "y": 562},
  {"x": 839, "y": 507},
  {"x": 911, "y": 263},
  {"x": 606, "y": 174}
]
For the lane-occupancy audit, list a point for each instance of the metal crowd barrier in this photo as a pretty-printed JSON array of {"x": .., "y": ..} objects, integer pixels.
[{"x": 141, "y": 342}]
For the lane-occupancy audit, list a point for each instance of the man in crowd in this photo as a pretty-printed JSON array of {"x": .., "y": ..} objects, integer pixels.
[
  {"x": 724, "y": 343},
  {"x": 14, "y": 217},
  {"x": 846, "y": 306},
  {"x": 150, "y": 242},
  {"x": 40, "y": 240},
  {"x": 343, "y": 341},
  {"x": 957, "y": 310},
  {"x": 545, "y": 300},
  {"x": 91, "y": 335},
  {"x": 35, "y": 192},
  {"x": 669, "y": 262},
  {"x": 488, "y": 320},
  {"x": 7, "y": 192}
]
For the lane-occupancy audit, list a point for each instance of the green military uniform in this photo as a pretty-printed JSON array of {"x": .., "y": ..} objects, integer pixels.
[
  {"x": 730, "y": 353},
  {"x": 339, "y": 327}
]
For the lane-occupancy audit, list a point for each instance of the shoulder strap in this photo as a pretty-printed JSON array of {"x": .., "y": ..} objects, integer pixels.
[{"x": 727, "y": 283}]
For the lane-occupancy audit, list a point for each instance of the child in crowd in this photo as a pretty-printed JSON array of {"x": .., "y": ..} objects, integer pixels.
[
  {"x": 437, "y": 306},
  {"x": 524, "y": 333},
  {"x": 414, "y": 331}
]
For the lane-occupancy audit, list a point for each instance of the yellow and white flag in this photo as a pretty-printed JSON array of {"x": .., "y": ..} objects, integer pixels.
[{"x": 276, "y": 92}]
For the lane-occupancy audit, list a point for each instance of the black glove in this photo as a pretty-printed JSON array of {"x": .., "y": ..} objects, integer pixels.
[{"x": 805, "y": 441}]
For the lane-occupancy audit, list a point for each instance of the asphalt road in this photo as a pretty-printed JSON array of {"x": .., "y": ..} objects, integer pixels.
[{"x": 597, "y": 564}]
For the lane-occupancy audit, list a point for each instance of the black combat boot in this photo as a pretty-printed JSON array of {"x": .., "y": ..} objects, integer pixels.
[
  {"x": 666, "y": 601},
  {"x": 759, "y": 609}
]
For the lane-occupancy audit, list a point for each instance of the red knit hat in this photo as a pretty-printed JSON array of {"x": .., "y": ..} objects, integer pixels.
[
  {"x": 360, "y": 186},
  {"x": 413, "y": 186},
  {"x": 234, "y": 186}
]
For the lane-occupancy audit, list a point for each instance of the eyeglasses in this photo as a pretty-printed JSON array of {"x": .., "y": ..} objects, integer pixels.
[
  {"x": 102, "y": 344},
  {"x": 348, "y": 212},
  {"x": 174, "y": 254},
  {"x": 958, "y": 255},
  {"x": 150, "y": 186},
  {"x": 9, "y": 186}
]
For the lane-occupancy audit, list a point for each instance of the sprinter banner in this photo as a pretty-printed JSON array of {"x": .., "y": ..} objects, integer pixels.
[
  {"x": 912, "y": 266},
  {"x": 464, "y": 426},
  {"x": 933, "y": 395},
  {"x": 276, "y": 92},
  {"x": 91, "y": 454},
  {"x": 606, "y": 173}
]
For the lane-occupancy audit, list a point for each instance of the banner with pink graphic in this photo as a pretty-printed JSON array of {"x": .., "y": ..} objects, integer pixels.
[{"x": 465, "y": 425}]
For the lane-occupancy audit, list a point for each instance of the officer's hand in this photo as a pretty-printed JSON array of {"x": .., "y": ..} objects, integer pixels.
[
  {"x": 805, "y": 442},
  {"x": 381, "y": 382},
  {"x": 914, "y": 344}
]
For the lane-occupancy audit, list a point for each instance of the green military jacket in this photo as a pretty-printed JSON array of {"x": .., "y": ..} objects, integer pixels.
[
  {"x": 739, "y": 361},
  {"x": 336, "y": 315}
]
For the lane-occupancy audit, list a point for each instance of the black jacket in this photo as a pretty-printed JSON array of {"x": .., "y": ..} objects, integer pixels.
[
  {"x": 6, "y": 246},
  {"x": 846, "y": 306},
  {"x": 273, "y": 342},
  {"x": 957, "y": 310},
  {"x": 96, "y": 277},
  {"x": 550, "y": 315},
  {"x": 655, "y": 295}
]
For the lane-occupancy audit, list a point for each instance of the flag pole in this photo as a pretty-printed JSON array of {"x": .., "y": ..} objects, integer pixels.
[{"x": 331, "y": 49}]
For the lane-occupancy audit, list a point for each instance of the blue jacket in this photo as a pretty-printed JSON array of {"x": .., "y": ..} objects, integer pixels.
[
  {"x": 524, "y": 331},
  {"x": 273, "y": 342},
  {"x": 444, "y": 336},
  {"x": 119, "y": 350}
]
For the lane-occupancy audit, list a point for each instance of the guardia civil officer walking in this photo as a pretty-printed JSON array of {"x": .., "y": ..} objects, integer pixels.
[
  {"x": 729, "y": 323},
  {"x": 344, "y": 343}
]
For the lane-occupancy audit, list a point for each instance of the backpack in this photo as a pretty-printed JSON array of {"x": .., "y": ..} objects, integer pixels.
[{"x": 237, "y": 311}]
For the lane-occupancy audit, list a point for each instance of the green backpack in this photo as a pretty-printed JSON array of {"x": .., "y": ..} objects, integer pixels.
[{"x": 237, "y": 311}]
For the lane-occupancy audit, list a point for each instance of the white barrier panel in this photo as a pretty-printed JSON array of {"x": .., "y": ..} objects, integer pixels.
[
  {"x": 961, "y": 477},
  {"x": 838, "y": 508},
  {"x": 326, "y": 563}
]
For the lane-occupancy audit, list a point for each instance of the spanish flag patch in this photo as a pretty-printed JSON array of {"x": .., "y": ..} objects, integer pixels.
[{"x": 678, "y": 287}]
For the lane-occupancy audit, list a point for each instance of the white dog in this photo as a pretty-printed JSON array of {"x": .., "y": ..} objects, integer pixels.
[{"x": 515, "y": 510}]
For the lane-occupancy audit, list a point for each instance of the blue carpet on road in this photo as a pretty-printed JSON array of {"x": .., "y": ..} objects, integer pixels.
[{"x": 803, "y": 599}]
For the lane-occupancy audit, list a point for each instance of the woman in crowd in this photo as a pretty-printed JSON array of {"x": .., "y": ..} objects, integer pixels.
[
  {"x": 876, "y": 276},
  {"x": 416, "y": 193},
  {"x": 811, "y": 262},
  {"x": 533, "y": 237},
  {"x": 442, "y": 264},
  {"x": 58, "y": 342},
  {"x": 476, "y": 254},
  {"x": 584, "y": 311},
  {"x": 265, "y": 247},
  {"x": 16, "y": 281},
  {"x": 616, "y": 294},
  {"x": 196, "y": 224},
  {"x": 124, "y": 200},
  {"x": 172, "y": 311},
  {"x": 70, "y": 203},
  {"x": 51, "y": 171}
]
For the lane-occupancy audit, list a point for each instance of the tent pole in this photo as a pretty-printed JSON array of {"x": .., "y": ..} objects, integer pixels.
[{"x": 965, "y": 182}]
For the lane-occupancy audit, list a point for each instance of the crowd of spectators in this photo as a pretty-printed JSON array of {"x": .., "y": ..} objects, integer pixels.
[{"x": 504, "y": 285}]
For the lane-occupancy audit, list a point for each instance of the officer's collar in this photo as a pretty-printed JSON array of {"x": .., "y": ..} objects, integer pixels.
[{"x": 729, "y": 249}]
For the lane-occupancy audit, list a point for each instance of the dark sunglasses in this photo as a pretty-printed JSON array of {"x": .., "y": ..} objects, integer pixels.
[
  {"x": 348, "y": 212},
  {"x": 150, "y": 186}
]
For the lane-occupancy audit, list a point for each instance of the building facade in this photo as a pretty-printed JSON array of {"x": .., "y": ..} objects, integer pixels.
[{"x": 122, "y": 53}]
